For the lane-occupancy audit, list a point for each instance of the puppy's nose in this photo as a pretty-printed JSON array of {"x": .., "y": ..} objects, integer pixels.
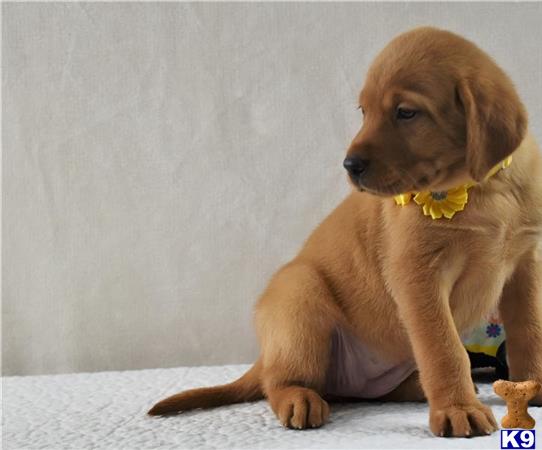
[{"x": 355, "y": 165}]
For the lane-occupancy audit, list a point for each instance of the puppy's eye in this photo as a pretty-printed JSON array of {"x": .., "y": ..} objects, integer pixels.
[{"x": 406, "y": 114}]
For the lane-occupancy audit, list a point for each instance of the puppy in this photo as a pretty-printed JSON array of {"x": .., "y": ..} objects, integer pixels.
[{"x": 375, "y": 303}]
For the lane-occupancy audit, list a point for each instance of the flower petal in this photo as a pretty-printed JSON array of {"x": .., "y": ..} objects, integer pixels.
[
  {"x": 447, "y": 210},
  {"x": 402, "y": 199},
  {"x": 435, "y": 210},
  {"x": 435, "y": 205},
  {"x": 427, "y": 209},
  {"x": 421, "y": 197},
  {"x": 462, "y": 197}
]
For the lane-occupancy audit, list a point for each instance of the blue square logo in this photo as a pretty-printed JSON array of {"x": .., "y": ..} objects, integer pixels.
[{"x": 518, "y": 438}]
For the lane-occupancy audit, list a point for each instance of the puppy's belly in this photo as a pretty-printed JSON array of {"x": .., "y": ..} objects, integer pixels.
[{"x": 357, "y": 371}]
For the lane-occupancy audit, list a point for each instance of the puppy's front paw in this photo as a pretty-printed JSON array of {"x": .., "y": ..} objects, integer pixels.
[
  {"x": 302, "y": 408},
  {"x": 473, "y": 419}
]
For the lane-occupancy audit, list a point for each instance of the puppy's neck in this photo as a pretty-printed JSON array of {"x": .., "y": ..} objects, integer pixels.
[{"x": 446, "y": 204}]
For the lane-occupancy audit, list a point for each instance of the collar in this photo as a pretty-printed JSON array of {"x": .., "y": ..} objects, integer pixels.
[{"x": 446, "y": 203}]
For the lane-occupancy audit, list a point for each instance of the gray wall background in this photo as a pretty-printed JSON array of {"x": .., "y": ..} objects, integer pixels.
[{"x": 162, "y": 160}]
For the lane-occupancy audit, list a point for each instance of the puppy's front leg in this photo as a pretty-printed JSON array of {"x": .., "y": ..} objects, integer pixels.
[
  {"x": 521, "y": 312},
  {"x": 423, "y": 300}
]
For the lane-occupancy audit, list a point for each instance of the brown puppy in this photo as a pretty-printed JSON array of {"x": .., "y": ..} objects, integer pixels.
[{"x": 380, "y": 289}]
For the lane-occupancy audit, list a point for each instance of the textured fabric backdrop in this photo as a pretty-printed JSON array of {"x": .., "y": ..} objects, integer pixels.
[{"x": 162, "y": 160}]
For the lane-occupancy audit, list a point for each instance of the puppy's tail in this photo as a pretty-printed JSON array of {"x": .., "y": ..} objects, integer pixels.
[{"x": 245, "y": 389}]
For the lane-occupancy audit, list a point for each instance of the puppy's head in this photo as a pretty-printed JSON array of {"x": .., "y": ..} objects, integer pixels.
[{"x": 437, "y": 112}]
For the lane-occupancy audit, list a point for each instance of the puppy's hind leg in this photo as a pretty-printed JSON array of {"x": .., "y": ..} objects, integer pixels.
[
  {"x": 410, "y": 390},
  {"x": 521, "y": 312},
  {"x": 294, "y": 319}
]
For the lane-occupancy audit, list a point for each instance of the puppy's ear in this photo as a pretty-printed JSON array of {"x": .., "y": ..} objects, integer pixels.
[{"x": 495, "y": 119}]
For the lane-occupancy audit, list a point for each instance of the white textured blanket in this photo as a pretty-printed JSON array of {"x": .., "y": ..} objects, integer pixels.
[{"x": 107, "y": 410}]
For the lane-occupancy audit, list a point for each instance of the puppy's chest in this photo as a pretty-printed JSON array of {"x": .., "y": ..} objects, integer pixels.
[
  {"x": 489, "y": 249},
  {"x": 501, "y": 235}
]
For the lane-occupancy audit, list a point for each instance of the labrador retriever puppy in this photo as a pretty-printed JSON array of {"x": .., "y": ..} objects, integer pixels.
[{"x": 443, "y": 225}]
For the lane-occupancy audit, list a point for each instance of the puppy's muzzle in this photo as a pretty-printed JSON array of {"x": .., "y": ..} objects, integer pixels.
[{"x": 356, "y": 167}]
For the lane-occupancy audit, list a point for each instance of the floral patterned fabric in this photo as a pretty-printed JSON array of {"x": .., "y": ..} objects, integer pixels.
[{"x": 487, "y": 337}]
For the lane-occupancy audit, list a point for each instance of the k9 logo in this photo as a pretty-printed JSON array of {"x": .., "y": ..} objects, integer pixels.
[{"x": 517, "y": 438}]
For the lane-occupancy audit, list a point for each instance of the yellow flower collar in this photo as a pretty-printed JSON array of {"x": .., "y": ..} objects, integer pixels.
[{"x": 446, "y": 203}]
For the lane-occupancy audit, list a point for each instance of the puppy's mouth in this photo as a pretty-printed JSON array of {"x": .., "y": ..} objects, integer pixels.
[
  {"x": 393, "y": 188},
  {"x": 382, "y": 190}
]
